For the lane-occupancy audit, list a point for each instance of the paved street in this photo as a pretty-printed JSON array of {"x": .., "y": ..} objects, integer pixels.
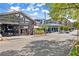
[{"x": 36, "y": 42}]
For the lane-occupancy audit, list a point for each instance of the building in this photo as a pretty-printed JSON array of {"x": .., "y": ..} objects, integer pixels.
[
  {"x": 39, "y": 21},
  {"x": 70, "y": 22},
  {"x": 53, "y": 26},
  {"x": 16, "y": 23}
]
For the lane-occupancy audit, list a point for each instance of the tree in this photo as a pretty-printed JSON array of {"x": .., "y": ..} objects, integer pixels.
[
  {"x": 65, "y": 10},
  {"x": 76, "y": 25}
]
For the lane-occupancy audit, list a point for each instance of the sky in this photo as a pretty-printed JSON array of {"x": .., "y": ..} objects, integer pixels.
[{"x": 35, "y": 10}]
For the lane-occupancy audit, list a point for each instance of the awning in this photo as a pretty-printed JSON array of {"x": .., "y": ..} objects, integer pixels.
[{"x": 52, "y": 24}]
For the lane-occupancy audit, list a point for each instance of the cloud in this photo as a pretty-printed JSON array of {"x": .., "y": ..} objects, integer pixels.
[
  {"x": 48, "y": 17},
  {"x": 35, "y": 9},
  {"x": 12, "y": 8},
  {"x": 45, "y": 11},
  {"x": 39, "y": 5},
  {"x": 23, "y": 9},
  {"x": 33, "y": 3},
  {"x": 10, "y": 3},
  {"x": 28, "y": 9},
  {"x": 32, "y": 7},
  {"x": 34, "y": 15}
]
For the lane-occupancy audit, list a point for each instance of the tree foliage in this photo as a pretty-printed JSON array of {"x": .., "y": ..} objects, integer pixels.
[
  {"x": 59, "y": 11},
  {"x": 75, "y": 24}
]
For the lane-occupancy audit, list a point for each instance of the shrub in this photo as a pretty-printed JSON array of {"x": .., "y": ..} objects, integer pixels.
[
  {"x": 39, "y": 31},
  {"x": 66, "y": 28},
  {"x": 73, "y": 52},
  {"x": 76, "y": 25},
  {"x": 61, "y": 27}
]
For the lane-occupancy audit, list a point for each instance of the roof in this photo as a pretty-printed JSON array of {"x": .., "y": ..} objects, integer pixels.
[
  {"x": 53, "y": 24},
  {"x": 16, "y": 12},
  {"x": 72, "y": 20},
  {"x": 26, "y": 16}
]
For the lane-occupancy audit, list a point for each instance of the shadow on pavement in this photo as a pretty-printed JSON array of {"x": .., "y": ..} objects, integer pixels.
[{"x": 42, "y": 48}]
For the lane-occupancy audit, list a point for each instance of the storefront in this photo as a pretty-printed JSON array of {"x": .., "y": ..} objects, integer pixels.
[
  {"x": 53, "y": 27},
  {"x": 16, "y": 23}
]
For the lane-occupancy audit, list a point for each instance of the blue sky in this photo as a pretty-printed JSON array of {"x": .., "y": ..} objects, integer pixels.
[{"x": 35, "y": 10}]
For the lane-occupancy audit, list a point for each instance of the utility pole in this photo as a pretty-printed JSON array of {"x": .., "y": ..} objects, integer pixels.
[
  {"x": 45, "y": 21},
  {"x": 45, "y": 18}
]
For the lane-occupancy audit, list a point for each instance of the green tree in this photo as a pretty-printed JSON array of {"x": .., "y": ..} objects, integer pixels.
[
  {"x": 63, "y": 9},
  {"x": 75, "y": 24}
]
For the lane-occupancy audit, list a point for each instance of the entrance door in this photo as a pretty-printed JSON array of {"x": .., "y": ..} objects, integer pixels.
[{"x": 24, "y": 31}]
